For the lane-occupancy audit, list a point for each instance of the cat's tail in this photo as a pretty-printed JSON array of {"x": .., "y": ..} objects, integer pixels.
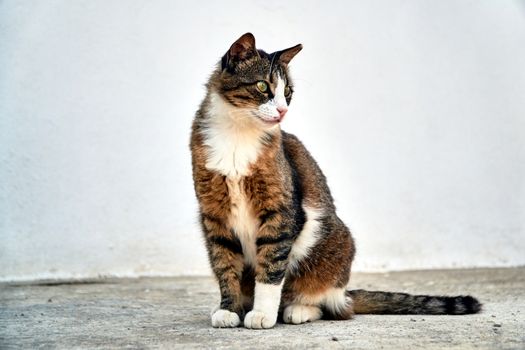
[{"x": 376, "y": 302}]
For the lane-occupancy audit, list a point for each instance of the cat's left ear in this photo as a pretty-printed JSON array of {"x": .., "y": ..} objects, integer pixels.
[{"x": 286, "y": 55}]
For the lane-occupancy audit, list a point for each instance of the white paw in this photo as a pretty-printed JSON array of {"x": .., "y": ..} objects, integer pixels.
[
  {"x": 297, "y": 313},
  {"x": 225, "y": 319},
  {"x": 258, "y": 319}
]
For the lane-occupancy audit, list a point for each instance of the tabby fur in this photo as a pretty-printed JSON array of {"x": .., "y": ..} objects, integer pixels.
[{"x": 275, "y": 242}]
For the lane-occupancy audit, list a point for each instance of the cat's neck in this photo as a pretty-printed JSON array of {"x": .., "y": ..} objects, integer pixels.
[{"x": 235, "y": 138}]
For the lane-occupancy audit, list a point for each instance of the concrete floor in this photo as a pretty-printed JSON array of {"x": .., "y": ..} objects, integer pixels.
[{"x": 174, "y": 313}]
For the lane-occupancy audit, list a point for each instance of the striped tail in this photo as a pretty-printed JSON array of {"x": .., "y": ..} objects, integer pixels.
[{"x": 376, "y": 302}]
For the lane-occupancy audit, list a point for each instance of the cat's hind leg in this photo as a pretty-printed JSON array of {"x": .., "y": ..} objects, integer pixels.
[{"x": 333, "y": 303}]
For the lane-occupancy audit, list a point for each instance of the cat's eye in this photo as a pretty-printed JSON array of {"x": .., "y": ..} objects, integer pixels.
[
  {"x": 287, "y": 91},
  {"x": 262, "y": 86}
]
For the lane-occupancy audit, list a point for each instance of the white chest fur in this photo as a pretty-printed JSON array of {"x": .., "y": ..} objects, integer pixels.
[
  {"x": 242, "y": 220},
  {"x": 234, "y": 140},
  {"x": 233, "y": 137}
]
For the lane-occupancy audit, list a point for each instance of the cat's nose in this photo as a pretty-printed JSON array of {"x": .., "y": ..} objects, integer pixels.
[{"x": 282, "y": 111}]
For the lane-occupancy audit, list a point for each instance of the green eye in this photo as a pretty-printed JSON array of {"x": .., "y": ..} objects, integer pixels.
[
  {"x": 287, "y": 91},
  {"x": 262, "y": 86}
]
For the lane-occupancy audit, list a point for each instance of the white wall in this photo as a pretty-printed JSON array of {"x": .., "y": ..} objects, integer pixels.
[{"x": 414, "y": 109}]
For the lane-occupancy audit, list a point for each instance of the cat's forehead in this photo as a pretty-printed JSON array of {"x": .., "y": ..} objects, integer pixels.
[{"x": 260, "y": 68}]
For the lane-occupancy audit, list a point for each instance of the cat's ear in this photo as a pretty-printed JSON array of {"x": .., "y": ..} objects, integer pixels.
[
  {"x": 242, "y": 49},
  {"x": 286, "y": 55}
]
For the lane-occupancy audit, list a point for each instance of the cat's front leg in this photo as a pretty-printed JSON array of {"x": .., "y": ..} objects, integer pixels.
[
  {"x": 273, "y": 248},
  {"x": 225, "y": 253}
]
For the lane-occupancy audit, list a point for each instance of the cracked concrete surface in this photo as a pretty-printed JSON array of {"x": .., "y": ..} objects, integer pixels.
[{"x": 174, "y": 313}]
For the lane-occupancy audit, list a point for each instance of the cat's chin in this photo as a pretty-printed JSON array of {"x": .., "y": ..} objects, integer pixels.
[{"x": 270, "y": 122}]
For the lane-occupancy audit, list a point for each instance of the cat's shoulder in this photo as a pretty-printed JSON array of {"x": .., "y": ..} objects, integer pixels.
[
  {"x": 293, "y": 144},
  {"x": 290, "y": 139}
]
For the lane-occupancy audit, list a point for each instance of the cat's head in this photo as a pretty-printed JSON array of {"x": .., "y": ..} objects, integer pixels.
[{"x": 256, "y": 82}]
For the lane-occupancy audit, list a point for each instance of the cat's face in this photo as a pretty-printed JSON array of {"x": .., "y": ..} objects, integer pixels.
[{"x": 256, "y": 82}]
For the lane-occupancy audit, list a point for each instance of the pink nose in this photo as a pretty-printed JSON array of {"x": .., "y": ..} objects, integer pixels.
[{"x": 282, "y": 111}]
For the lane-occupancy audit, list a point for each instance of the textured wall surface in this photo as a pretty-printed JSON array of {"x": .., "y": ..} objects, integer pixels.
[{"x": 414, "y": 109}]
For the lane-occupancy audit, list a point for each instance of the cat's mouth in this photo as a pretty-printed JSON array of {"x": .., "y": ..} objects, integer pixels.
[
  {"x": 268, "y": 120},
  {"x": 271, "y": 121}
]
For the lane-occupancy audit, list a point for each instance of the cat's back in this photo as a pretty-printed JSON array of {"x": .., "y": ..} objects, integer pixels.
[{"x": 312, "y": 180}]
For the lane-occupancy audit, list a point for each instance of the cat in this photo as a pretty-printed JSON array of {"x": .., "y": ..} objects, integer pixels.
[{"x": 274, "y": 241}]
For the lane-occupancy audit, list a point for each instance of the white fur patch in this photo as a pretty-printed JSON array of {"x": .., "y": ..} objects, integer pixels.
[
  {"x": 268, "y": 110},
  {"x": 334, "y": 299},
  {"x": 242, "y": 220},
  {"x": 225, "y": 319},
  {"x": 265, "y": 306},
  {"x": 307, "y": 238},
  {"x": 233, "y": 136},
  {"x": 279, "y": 98},
  {"x": 297, "y": 313}
]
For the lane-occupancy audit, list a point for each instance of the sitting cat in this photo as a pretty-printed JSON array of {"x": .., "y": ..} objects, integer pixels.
[{"x": 273, "y": 237}]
